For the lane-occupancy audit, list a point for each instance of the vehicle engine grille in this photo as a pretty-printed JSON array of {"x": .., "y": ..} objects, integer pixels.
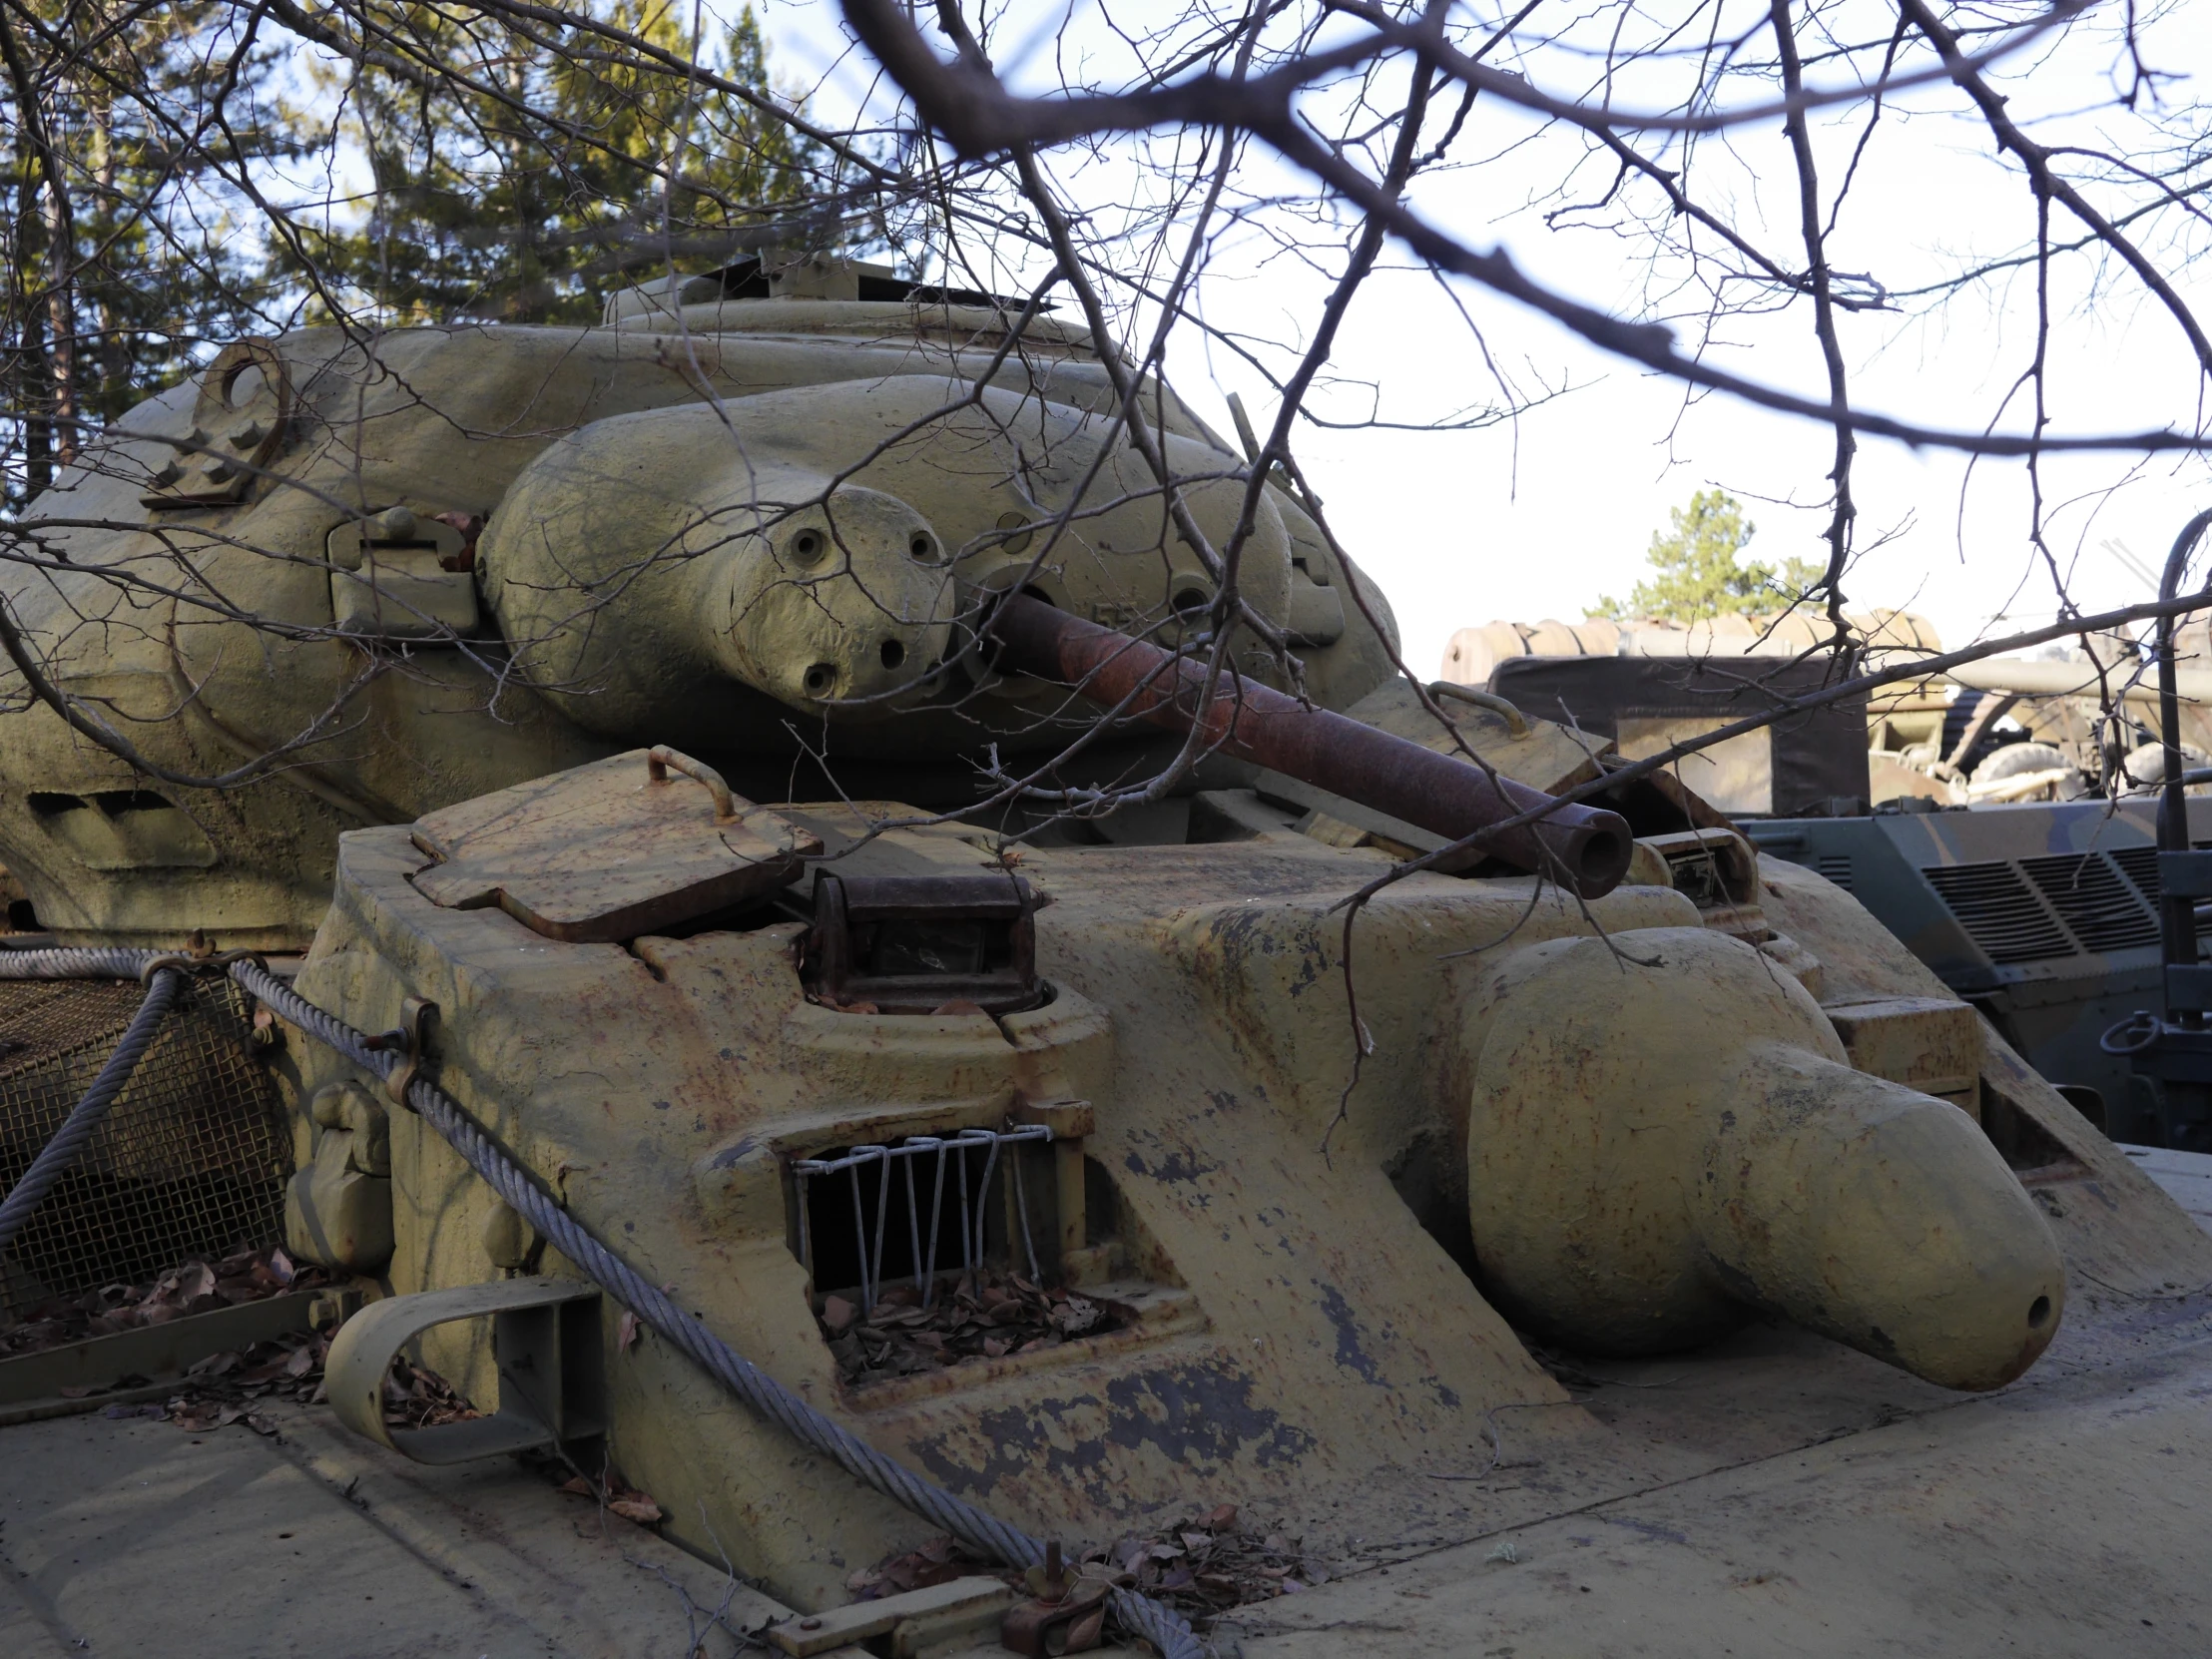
[{"x": 2000, "y": 913}]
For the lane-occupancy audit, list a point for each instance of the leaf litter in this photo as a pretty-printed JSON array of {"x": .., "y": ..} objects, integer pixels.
[
  {"x": 221, "y": 1388},
  {"x": 1208, "y": 1563},
  {"x": 193, "y": 1287},
  {"x": 989, "y": 1314},
  {"x": 1201, "y": 1565},
  {"x": 618, "y": 1498}
]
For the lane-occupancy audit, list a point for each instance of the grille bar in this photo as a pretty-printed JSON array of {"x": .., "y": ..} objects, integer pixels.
[
  {"x": 2000, "y": 913},
  {"x": 947, "y": 1155},
  {"x": 2086, "y": 889}
]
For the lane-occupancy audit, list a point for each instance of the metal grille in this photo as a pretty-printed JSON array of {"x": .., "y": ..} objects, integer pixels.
[
  {"x": 941, "y": 1184},
  {"x": 2087, "y": 892},
  {"x": 2140, "y": 865},
  {"x": 1834, "y": 866},
  {"x": 1998, "y": 912},
  {"x": 191, "y": 1161}
]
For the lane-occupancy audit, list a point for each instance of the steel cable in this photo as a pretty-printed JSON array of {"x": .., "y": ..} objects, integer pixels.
[
  {"x": 60, "y": 1154},
  {"x": 1162, "y": 1626},
  {"x": 58, "y": 962}
]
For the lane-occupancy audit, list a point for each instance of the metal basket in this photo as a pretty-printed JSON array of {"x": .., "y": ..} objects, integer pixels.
[{"x": 190, "y": 1162}]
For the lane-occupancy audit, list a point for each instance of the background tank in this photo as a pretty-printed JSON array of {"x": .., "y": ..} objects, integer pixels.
[{"x": 444, "y": 560}]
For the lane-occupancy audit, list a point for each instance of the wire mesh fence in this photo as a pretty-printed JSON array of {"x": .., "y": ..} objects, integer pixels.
[{"x": 191, "y": 1161}]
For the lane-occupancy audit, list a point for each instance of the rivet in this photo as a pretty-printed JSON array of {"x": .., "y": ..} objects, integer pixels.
[{"x": 809, "y": 1624}]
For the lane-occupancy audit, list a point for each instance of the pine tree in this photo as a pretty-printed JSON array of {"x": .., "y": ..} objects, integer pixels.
[
  {"x": 119, "y": 213},
  {"x": 535, "y": 167},
  {"x": 1700, "y": 574}
]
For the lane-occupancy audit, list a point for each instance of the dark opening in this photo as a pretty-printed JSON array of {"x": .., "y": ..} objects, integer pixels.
[
  {"x": 1190, "y": 600},
  {"x": 820, "y": 679},
  {"x": 952, "y": 946},
  {"x": 2025, "y": 1145},
  {"x": 1430, "y": 1176},
  {"x": 836, "y": 1224},
  {"x": 1699, "y": 877},
  {"x": 893, "y": 653},
  {"x": 2088, "y": 1102},
  {"x": 2038, "y": 1311},
  {"x": 118, "y": 802},
  {"x": 980, "y": 1303},
  {"x": 1102, "y": 1223},
  {"x": 113, "y": 803}
]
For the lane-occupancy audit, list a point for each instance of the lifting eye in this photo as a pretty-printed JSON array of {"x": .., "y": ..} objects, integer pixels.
[
  {"x": 807, "y": 546},
  {"x": 922, "y": 548}
]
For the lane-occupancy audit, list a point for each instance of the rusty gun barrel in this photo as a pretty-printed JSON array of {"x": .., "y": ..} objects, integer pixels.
[{"x": 1585, "y": 847}]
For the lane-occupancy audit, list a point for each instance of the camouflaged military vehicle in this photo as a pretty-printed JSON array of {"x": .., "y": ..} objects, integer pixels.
[
  {"x": 1608, "y": 1240},
  {"x": 2041, "y": 906}
]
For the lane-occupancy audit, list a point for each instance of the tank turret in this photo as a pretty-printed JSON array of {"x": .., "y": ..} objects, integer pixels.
[{"x": 357, "y": 581}]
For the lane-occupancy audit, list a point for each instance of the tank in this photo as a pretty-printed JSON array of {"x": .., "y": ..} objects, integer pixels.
[{"x": 1114, "y": 1174}]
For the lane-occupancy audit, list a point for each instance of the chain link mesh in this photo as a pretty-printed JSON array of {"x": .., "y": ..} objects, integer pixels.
[{"x": 191, "y": 1161}]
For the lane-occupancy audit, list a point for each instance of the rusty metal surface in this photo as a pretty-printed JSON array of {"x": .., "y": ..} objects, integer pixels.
[
  {"x": 1587, "y": 848},
  {"x": 1286, "y": 1217},
  {"x": 608, "y": 850}
]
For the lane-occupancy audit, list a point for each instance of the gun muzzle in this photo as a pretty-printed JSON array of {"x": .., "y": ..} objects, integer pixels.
[{"x": 1582, "y": 848}]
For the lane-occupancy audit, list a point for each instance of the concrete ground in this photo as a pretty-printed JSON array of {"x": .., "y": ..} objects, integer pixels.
[
  {"x": 2186, "y": 1176},
  {"x": 2072, "y": 1518},
  {"x": 134, "y": 1538}
]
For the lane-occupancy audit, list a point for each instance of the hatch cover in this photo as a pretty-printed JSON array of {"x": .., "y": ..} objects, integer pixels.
[{"x": 627, "y": 846}]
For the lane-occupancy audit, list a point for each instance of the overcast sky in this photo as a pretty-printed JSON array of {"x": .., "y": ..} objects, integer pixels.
[{"x": 1540, "y": 516}]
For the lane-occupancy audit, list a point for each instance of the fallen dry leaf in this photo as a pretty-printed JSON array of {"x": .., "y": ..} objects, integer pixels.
[
  {"x": 988, "y": 1315},
  {"x": 1204, "y": 1565},
  {"x": 626, "y": 1332},
  {"x": 636, "y": 1506},
  {"x": 939, "y": 1561},
  {"x": 189, "y": 1286}
]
